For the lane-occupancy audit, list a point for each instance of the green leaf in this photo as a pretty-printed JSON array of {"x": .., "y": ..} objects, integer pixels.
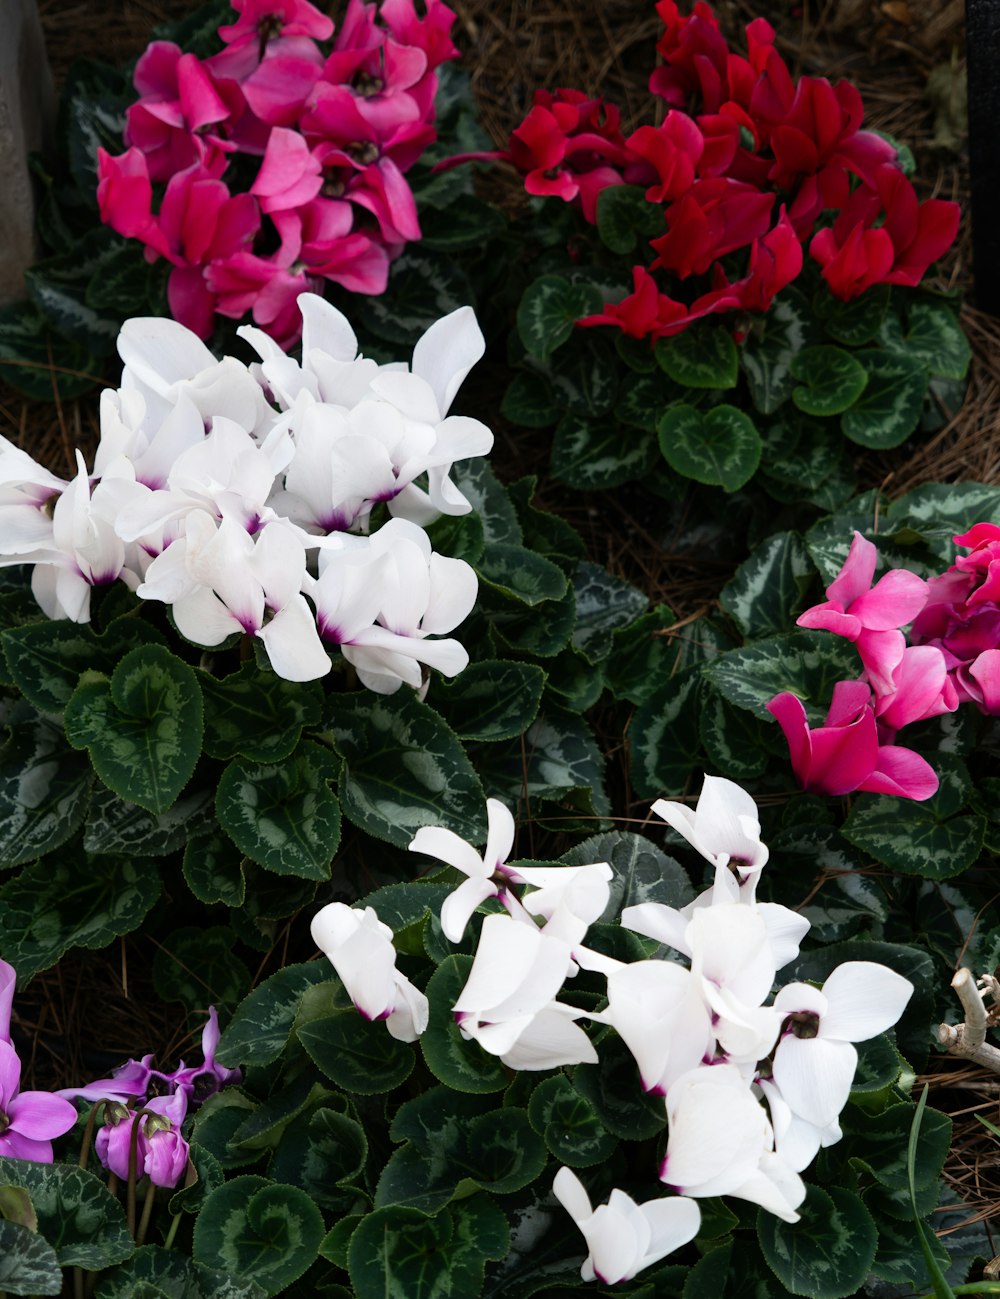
[
  {"x": 559, "y": 760},
  {"x": 257, "y": 715},
  {"x": 422, "y": 288},
  {"x": 529, "y": 401},
  {"x": 585, "y": 377},
  {"x": 596, "y": 454},
  {"x": 28, "y": 1263},
  {"x": 262, "y": 1025},
  {"x": 57, "y": 286},
  {"x": 68, "y": 901},
  {"x": 780, "y": 335},
  {"x": 489, "y": 500},
  {"x": 77, "y": 1214},
  {"x": 282, "y": 816},
  {"x": 197, "y": 966},
  {"x": 703, "y": 356},
  {"x": 403, "y": 767},
  {"x": 880, "y": 1143},
  {"x": 642, "y": 872},
  {"x": 399, "y": 1253},
  {"x": 114, "y": 826},
  {"x": 665, "y": 738},
  {"x": 625, "y": 215},
  {"x": 830, "y": 378},
  {"x": 143, "y": 728},
  {"x": 358, "y": 1056},
  {"x": 642, "y": 659},
  {"x": 468, "y": 224},
  {"x": 521, "y": 574},
  {"x": 766, "y": 592},
  {"x": 38, "y": 362},
  {"x": 491, "y": 700},
  {"x": 324, "y": 1153},
  {"x": 888, "y": 410},
  {"x": 44, "y": 789},
  {"x": 269, "y": 1233},
  {"x": 829, "y": 1252},
  {"x": 523, "y": 631},
  {"x": 855, "y": 322},
  {"x": 807, "y": 663},
  {"x": 927, "y": 838},
  {"x": 933, "y": 337},
  {"x": 548, "y": 312},
  {"x": 645, "y": 397},
  {"x": 604, "y": 604},
  {"x": 569, "y": 1125},
  {"x": 153, "y": 1272},
  {"x": 46, "y": 659},
  {"x": 453, "y": 1147},
  {"x": 461, "y": 1065},
  {"x": 733, "y": 738},
  {"x": 614, "y": 1090},
  {"x": 721, "y": 448},
  {"x": 213, "y": 870}
]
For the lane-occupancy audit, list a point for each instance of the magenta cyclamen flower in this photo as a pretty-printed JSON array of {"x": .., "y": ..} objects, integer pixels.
[
  {"x": 871, "y": 616},
  {"x": 844, "y": 754},
  {"x": 161, "y": 1153}
]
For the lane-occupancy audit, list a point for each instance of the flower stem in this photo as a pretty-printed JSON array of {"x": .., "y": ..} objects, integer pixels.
[{"x": 147, "y": 1212}]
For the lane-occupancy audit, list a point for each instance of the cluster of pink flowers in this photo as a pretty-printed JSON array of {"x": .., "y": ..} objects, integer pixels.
[
  {"x": 335, "y": 127},
  {"x": 718, "y": 172},
  {"x": 155, "y": 1105},
  {"x": 951, "y": 656}
]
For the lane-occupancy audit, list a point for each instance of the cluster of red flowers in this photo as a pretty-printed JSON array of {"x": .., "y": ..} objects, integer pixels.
[
  {"x": 758, "y": 141},
  {"x": 335, "y": 133}
]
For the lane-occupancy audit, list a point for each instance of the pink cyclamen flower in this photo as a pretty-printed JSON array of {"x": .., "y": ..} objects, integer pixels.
[
  {"x": 870, "y": 616},
  {"x": 962, "y": 619},
  {"x": 29, "y": 1121},
  {"x": 844, "y": 754}
]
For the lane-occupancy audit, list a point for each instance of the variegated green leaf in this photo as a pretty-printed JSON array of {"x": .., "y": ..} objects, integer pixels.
[
  {"x": 569, "y": 1125},
  {"x": 71, "y": 901},
  {"x": 596, "y": 454},
  {"x": 267, "y": 1232},
  {"x": 143, "y": 728},
  {"x": 282, "y": 815},
  {"x": 492, "y": 700},
  {"x": 830, "y": 380},
  {"x": 766, "y": 592},
  {"x": 521, "y": 574},
  {"x": 664, "y": 739},
  {"x": 856, "y": 321},
  {"x": 888, "y": 410},
  {"x": 403, "y": 767},
  {"x": 77, "y": 1215},
  {"x": 604, "y": 604},
  {"x": 642, "y": 872},
  {"x": 263, "y": 1022},
  {"x": 775, "y": 338},
  {"x": 721, "y": 448},
  {"x": 548, "y": 312},
  {"x": 807, "y": 663},
  {"x": 28, "y": 1263},
  {"x": 44, "y": 789},
  {"x": 257, "y": 715},
  {"x": 114, "y": 826},
  {"x": 826, "y": 1254},
  {"x": 703, "y": 356}
]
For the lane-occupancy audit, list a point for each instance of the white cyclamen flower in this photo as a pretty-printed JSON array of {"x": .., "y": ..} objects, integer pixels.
[
  {"x": 508, "y": 1002},
  {"x": 721, "y": 1143},
  {"x": 723, "y": 827},
  {"x": 624, "y": 1237},
  {"x": 485, "y": 874},
  {"x": 814, "y": 1061},
  {"x": 359, "y": 947}
]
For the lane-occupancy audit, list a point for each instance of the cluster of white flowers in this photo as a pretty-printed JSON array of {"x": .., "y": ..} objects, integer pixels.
[
  {"x": 241, "y": 496},
  {"x": 753, "y": 1086}
]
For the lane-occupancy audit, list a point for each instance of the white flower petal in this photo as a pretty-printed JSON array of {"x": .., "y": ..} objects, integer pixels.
[
  {"x": 815, "y": 1076},
  {"x": 865, "y": 999}
]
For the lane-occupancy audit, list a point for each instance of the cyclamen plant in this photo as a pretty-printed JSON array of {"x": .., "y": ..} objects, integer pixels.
[
  {"x": 731, "y": 290},
  {"x": 214, "y": 481},
  {"x": 335, "y": 119},
  {"x": 950, "y": 656}
]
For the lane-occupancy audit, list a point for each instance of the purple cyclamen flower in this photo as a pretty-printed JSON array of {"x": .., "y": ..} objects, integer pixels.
[
  {"x": 202, "y": 1081},
  {"x": 127, "y": 1082},
  {"x": 29, "y": 1121},
  {"x": 161, "y": 1152}
]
